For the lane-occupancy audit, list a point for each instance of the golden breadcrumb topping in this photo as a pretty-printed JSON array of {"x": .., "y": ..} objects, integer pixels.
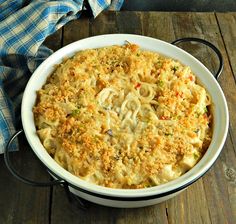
[{"x": 123, "y": 117}]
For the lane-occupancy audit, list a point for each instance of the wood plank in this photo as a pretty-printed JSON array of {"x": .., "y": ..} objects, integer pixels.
[
  {"x": 158, "y": 25},
  {"x": 54, "y": 41},
  {"x": 105, "y": 23},
  {"x": 20, "y": 203},
  {"x": 220, "y": 186},
  {"x": 76, "y": 30},
  {"x": 228, "y": 85},
  {"x": 190, "y": 206},
  {"x": 229, "y": 36},
  {"x": 129, "y": 22},
  {"x": 116, "y": 22},
  {"x": 101, "y": 214}
]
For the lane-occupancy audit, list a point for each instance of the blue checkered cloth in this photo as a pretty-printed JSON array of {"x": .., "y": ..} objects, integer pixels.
[{"x": 24, "y": 25}]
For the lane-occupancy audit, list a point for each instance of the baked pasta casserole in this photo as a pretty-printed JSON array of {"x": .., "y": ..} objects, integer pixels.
[{"x": 123, "y": 117}]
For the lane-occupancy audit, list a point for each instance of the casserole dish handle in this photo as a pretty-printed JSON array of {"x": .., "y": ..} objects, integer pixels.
[
  {"x": 213, "y": 47},
  {"x": 80, "y": 203},
  {"x": 17, "y": 175}
]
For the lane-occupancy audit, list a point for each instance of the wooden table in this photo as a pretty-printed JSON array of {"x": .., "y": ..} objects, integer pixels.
[{"x": 212, "y": 199}]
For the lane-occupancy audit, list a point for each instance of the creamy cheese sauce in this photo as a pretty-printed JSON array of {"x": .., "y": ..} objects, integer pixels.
[{"x": 122, "y": 117}]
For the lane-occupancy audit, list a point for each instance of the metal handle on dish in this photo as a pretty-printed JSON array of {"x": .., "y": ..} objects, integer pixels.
[
  {"x": 213, "y": 47},
  {"x": 17, "y": 175},
  {"x": 79, "y": 202}
]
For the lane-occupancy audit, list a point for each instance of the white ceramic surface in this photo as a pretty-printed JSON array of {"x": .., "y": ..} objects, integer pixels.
[{"x": 220, "y": 123}]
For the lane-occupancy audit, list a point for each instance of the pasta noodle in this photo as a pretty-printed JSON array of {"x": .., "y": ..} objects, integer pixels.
[{"x": 123, "y": 117}]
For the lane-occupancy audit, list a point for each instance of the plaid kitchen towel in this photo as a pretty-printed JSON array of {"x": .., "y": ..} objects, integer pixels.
[{"x": 24, "y": 25}]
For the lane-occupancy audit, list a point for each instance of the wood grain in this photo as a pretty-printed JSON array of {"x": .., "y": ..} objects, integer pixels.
[
  {"x": 158, "y": 25},
  {"x": 101, "y": 214},
  {"x": 54, "y": 41},
  {"x": 129, "y": 22},
  {"x": 20, "y": 203},
  {"x": 105, "y": 23},
  {"x": 190, "y": 206},
  {"x": 75, "y": 30},
  {"x": 227, "y": 24}
]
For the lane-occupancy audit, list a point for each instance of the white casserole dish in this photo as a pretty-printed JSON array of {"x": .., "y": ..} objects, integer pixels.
[{"x": 127, "y": 197}]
